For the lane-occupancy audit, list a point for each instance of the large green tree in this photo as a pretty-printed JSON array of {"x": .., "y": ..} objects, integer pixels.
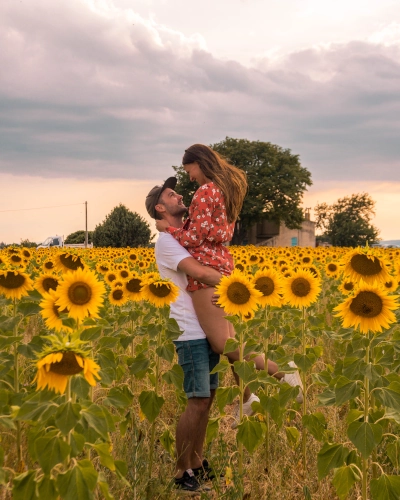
[
  {"x": 122, "y": 228},
  {"x": 78, "y": 237},
  {"x": 347, "y": 222},
  {"x": 276, "y": 181}
]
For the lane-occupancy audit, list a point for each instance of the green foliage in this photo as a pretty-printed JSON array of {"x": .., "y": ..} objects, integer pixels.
[
  {"x": 347, "y": 222},
  {"x": 78, "y": 237},
  {"x": 122, "y": 228},
  {"x": 276, "y": 181}
]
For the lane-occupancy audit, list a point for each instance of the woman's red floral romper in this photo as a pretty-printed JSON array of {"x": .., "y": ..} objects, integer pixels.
[{"x": 205, "y": 231}]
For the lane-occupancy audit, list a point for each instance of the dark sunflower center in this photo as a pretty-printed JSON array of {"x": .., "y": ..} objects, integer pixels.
[
  {"x": 300, "y": 287},
  {"x": 306, "y": 260},
  {"x": 26, "y": 254},
  {"x": 124, "y": 274},
  {"x": 265, "y": 285},
  {"x": 253, "y": 258},
  {"x": 365, "y": 266},
  {"x": 134, "y": 285},
  {"x": 49, "y": 283},
  {"x": 104, "y": 269},
  {"x": 12, "y": 281},
  {"x": 67, "y": 366},
  {"x": 389, "y": 284},
  {"x": 133, "y": 256},
  {"x": 69, "y": 262},
  {"x": 49, "y": 265},
  {"x": 159, "y": 291},
  {"x": 348, "y": 286},
  {"x": 240, "y": 267},
  {"x": 332, "y": 267},
  {"x": 366, "y": 304},
  {"x": 238, "y": 293},
  {"x": 313, "y": 271},
  {"x": 16, "y": 258},
  {"x": 79, "y": 293},
  {"x": 117, "y": 294},
  {"x": 111, "y": 277},
  {"x": 57, "y": 311}
]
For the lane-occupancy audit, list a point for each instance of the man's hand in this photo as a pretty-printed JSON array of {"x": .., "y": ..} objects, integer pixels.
[
  {"x": 214, "y": 300},
  {"x": 162, "y": 225}
]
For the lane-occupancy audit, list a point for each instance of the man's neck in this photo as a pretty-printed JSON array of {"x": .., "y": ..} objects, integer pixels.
[{"x": 174, "y": 221}]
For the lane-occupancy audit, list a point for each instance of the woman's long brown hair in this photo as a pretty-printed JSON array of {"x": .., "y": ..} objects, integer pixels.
[{"x": 231, "y": 180}]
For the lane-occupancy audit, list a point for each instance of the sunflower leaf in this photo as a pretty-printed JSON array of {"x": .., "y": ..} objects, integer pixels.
[
  {"x": 330, "y": 456},
  {"x": 385, "y": 488},
  {"x": 79, "y": 482},
  {"x": 250, "y": 434},
  {"x": 364, "y": 436},
  {"x": 343, "y": 480},
  {"x": 390, "y": 395},
  {"x": 50, "y": 451},
  {"x": 151, "y": 404}
]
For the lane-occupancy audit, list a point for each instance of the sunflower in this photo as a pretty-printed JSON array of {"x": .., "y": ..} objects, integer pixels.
[
  {"x": 68, "y": 262},
  {"x": 268, "y": 283},
  {"x": 390, "y": 285},
  {"x": 332, "y": 269},
  {"x": 110, "y": 277},
  {"x": 123, "y": 274},
  {"x": 103, "y": 267},
  {"x": 117, "y": 296},
  {"x": 46, "y": 282},
  {"x": 133, "y": 288},
  {"x": 370, "y": 309},
  {"x": 301, "y": 289},
  {"x": 237, "y": 295},
  {"x": 346, "y": 287},
  {"x": 362, "y": 264},
  {"x": 14, "y": 284},
  {"x": 160, "y": 292},
  {"x": 51, "y": 312},
  {"x": 81, "y": 293},
  {"x": 16, "y": 259},
  {"x": 55, "y": 368}
]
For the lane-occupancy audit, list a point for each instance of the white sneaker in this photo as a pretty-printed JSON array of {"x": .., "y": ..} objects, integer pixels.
[
  {"x": 247, "y": 409},
  {"x": 294, "y": 380}
]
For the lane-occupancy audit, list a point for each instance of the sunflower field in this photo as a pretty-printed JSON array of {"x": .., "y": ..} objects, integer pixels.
[{"x": 91, "y": 391}]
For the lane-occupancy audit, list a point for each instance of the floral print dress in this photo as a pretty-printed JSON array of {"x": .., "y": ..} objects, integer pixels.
[{"x": 205, "y": 231}]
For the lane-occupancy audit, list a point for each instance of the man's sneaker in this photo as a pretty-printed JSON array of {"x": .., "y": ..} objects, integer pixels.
[
  {"x": 205, "y": 472},
  {"x": 187, "y": 482},
  {"x": 247, "y": 410},
  {"x": 294, "y": 380}
]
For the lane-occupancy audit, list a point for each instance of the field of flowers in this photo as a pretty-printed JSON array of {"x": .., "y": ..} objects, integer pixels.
[{"x": 90, "y": 388}]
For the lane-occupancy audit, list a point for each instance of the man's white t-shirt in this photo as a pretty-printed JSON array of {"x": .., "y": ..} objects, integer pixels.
[{"x": 169, "y": 253}]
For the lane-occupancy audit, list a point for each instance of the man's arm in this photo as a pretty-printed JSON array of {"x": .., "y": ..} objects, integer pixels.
[{"x": 205, "y": 274}]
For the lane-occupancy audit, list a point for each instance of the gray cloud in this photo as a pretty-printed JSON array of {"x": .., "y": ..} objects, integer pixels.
[{"x": 109, "y": 94}]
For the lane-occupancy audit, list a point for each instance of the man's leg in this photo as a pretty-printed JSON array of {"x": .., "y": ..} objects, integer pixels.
[{"x": 190, "y": 434}]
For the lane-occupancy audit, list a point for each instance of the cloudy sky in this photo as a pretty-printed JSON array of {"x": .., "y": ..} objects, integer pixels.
[{"x": 98, "y": 98}]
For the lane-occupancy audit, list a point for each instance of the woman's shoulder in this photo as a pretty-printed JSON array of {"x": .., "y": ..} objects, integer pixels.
[{"x": 210, "y": 186}]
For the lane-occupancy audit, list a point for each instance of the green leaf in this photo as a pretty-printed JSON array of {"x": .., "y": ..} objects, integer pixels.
[
  {"x": 80, "y": 386},
  {"x": 250, "y": 434},
  {"x": 167, "y": 441},
  {"x": 79, "y": 482},
  {"x": 77, "y": 443},
  {"x": 293, "y": 436},
  {"x": 28, "y": 308},
  {"x": 103, "y": 485},
  {"x": 34, "y": 409},
  {"x": 225, "y": 396},
  {"x": 304, "y": 361},
  {"x": 120, "y": 398},
  {"x": 385, "y": 488},
  {"x": 364, "y": 436},
  {"x": 392, "y": 414},
  {"x": 99, "y": 419},
  {"x": 327, "y": 397},
  {"x": 353, "y": 415},
  {"x": 47, "y": 489},
  {"x": 343, "y": 480},
  {"x": 166, "y": 351},
  {"x": 212, "y": 429},
  {"x": 330, "y": 456},
  {"x": 393, "y": 452},
  {"x": 230, "y": 346},
  {"x": 174, "y": 376},
  {"x": 246, "y": 371},
  {"x": 24, "y": 486},
  {"x": 139, "y": 365},
  {"x": 315, "y": 424},
  {"x": 390, "y": 395},
  {"x": 345, "y": 390},
  {"x": 8, "y": 341},
  {"x": 92, "y": 333},
  {"x": 67, "y": 416},
  {"x": 222, "y": 367},
  {"x": 150, "y": 404},
  {"x": 103, "y": 450},
  {"x": 50, "y": 451},
  {"x": 252, "y": 347}
]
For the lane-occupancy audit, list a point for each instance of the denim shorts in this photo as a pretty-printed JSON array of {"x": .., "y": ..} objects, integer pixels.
[{"x": 197, "y": 360}]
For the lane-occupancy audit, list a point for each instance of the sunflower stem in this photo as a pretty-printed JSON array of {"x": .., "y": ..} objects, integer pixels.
[
  {"x": 241, "y": 390},
  {"x": 16, "y": 387},
  {"x": 303, "y": 377},
  {"x": 266, "y": 390},
  {"x": 366, "y": 409}
]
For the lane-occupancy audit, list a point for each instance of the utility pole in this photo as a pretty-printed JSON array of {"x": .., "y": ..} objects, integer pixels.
[{"x": 86, "y": 231}]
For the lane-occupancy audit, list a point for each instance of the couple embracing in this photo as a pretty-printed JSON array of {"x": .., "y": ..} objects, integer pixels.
[{"x": 193, "y": 255}]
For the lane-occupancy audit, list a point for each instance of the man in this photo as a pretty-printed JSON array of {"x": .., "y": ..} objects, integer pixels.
[{"x": 194, "y": 353}]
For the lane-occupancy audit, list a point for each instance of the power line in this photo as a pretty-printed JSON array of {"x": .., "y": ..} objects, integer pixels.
[{"x": 41, "y": 208}]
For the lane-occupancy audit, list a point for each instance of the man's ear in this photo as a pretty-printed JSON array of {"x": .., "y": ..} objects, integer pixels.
[{"x": 160, "y": 208}]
